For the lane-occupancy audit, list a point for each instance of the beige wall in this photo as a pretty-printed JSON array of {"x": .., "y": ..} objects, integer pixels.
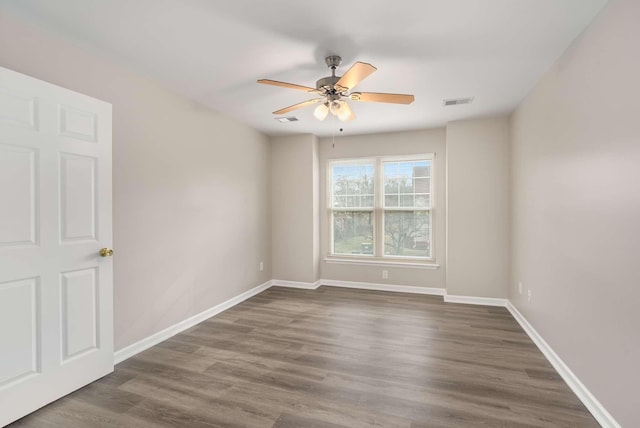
[
  {"x": 316, "y": 209},
  {"x": 294, "y": 208},
  {"x": 191, "y": 188},
  {"x": 576, "y": 208},
  {"x": 398, "y": 143},
  {"x": 478, "y": 207}
]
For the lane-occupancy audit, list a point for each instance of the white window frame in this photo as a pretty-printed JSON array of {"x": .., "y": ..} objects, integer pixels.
[{"x": 378, "y": 256}]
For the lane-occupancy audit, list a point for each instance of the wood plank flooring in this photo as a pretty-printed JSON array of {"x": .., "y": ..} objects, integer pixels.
[{"x": 332, "y": 358}]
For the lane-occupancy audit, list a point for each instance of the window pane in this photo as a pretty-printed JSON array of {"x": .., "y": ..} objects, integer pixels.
[
  {"x": 355, "y": 181},
  {"x": 406, "y": 185},
  {"x": 423, "y": 201},
  {"x": 422, "y": 169},
  {"x": 406, "y": 200},
  {"x": 406, "y": 233},
  {"x": 339, "y": 201},
  {"x": 353, "y": 232},
  {"x": 391, "y": 201},
  {"x": 421, "y": 185},
  {"x": 404, "y": 180},
  {"x": 405, "y": 170},
  {"x": 391, "y": 169}
]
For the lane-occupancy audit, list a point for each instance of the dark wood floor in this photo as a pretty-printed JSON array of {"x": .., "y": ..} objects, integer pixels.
[{"x": 330, "y": 358}]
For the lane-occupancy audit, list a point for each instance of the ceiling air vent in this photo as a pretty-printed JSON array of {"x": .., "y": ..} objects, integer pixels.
[
  {"x": 287, "y": 119},
  {"x": 457, "y": 101}
]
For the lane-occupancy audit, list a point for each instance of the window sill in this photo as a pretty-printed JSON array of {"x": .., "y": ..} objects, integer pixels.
[{"x": 382, "y": 263}]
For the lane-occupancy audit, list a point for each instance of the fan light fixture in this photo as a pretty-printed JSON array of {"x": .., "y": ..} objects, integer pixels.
[
  {"x": 332, "y": 89},
  {"x": 321, "y": 111},
  {"x": 345, "y": 112},
  {"x": 338, "y": 108}
]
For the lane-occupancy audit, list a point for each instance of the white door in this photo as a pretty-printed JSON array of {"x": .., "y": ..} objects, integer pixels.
[{"x": 56, "y": 302}]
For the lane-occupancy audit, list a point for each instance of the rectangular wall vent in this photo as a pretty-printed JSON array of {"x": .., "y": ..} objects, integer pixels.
[
  {"x": 287, "y": 119},
  {"x": 457, "y": 101}
]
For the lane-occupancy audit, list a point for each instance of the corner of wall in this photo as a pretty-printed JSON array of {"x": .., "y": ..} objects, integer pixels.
[
  {"x": 477, "y": 205},
  {"x": 294, "y": 207},
  {"x": 315, "y": 166}
]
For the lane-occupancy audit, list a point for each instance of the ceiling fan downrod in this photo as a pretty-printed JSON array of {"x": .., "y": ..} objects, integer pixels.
[{"x": 327, "y": 85}]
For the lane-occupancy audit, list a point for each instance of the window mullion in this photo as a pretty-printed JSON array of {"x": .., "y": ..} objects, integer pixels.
[{"x": 379, "y": 209}]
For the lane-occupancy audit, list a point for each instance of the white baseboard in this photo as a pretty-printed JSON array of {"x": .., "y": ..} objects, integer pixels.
[
  {"x": 296, "y": 284},
  {"x": 470, "y": 300},
  {"x": 598, "y": 411},
  {"x": 146, "y": 343},
  {"x": 383, "y": 287}
]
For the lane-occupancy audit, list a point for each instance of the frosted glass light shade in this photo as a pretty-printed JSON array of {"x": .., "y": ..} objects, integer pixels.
[
  {"x": 335, "y": 107},
  {"x": 321, "y": 111},
  {"x": 345, "y": 112}
]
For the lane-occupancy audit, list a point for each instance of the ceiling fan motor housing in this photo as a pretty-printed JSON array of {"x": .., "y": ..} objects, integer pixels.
[{"x": 327, "y": 82}]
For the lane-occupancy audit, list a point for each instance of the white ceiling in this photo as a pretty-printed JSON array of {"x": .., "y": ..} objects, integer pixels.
[{"x": 213, "y": 51}]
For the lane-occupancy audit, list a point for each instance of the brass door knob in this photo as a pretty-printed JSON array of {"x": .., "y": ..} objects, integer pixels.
[{"x": 106, "y": 252}]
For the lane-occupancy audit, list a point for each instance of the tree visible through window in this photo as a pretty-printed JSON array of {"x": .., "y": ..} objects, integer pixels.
[
  {"x": 381, "y": 207},
  {"x": 406, "y": 201},
  {"x": 353, "y": 205}
]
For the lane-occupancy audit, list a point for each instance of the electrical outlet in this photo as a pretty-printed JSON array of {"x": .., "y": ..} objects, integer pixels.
[
  {"x": 520, "y": 288},
  {"x": 261, "y": 266},
  {"x": 528, "y": 295},
  {"x": 385, "y": 274}
]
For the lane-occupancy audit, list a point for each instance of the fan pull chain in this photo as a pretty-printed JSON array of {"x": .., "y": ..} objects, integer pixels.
[{"x": 333, "y": 138}]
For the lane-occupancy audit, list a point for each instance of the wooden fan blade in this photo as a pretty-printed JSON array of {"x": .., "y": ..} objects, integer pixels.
[
  {"x": 376, "y": 97},
  {"x": 356, "y": 74},
  {"x": 286, "y": 85},
  {"x": 297, "y": 106}
]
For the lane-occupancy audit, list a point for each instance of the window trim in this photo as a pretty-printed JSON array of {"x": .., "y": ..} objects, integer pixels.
[
  {"x": 381, "y": 262},
  {"x": 378, "y": 257}
]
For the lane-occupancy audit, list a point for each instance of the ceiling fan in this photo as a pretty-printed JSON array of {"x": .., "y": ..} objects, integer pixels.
[{"x": 335, "y": 89}]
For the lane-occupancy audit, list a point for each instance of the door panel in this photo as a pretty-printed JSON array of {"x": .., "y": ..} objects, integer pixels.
[
  {"x": 56, "y": 292},
  {"x": 79, "y": 313},
  {"x": 17, "y": 109},
  {"x": 77, "y": 197},
  {"x": 79, "y": 124},
  {"x": 19, "y": 329},
  {"x": 17, "y": 193}
]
